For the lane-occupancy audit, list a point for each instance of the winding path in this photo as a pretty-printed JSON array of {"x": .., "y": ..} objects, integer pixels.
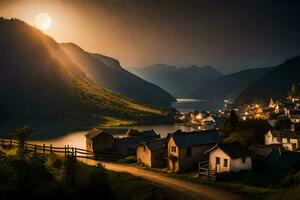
[{"x": 187, "y": 189}]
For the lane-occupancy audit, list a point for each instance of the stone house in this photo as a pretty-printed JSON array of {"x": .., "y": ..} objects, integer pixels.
[
  {"x": 152, "y": 153},
  {"x": 231, "y": 157},
  {"x": 99, "y": 141},
  {"x": 185, "y": 149}
]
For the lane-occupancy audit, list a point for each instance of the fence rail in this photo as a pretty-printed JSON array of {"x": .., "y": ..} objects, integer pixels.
[{"x": 66, "y": 150}]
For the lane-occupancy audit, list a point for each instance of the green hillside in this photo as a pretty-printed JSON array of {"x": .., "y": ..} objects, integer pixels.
[
  {"x": 108, "y": 73},
  {"x": 39, "y": 81}
]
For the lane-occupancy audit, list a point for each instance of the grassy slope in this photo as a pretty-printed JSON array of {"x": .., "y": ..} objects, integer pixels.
[{"x": 48, "y": 86}]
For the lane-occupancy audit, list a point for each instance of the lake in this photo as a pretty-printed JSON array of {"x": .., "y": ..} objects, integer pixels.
[
  {"x": 190, "y": 105},
  {"x": 77, "y": 139}
]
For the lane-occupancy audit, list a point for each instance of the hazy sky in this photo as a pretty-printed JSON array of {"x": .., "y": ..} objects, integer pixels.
[{"x": 229, "y": 35}]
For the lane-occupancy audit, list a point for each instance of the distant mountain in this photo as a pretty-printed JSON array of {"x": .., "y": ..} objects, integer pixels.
[
  {"x": 227, "y": 86},
  {"x": 39, "y": 81},
  {"x": 275, "y": 84},
  {"x": 176, "y": 80},
  {"x": 108, "y": 73}
]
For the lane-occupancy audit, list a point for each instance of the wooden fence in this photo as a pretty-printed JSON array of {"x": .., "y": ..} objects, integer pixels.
[
  {"x": 206, "y": 172},
  {"x": 66, "y": 150}
]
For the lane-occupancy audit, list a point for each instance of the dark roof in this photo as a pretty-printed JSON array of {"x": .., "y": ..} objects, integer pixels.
[
  {"x": 285, "y": 134},
  {"x": 155, "y": 144},
  {"x": 282, "y": 159},
  {"x": 234, "y": 150},
  {"x": 184, "y": 139},
  {"x": 264, "y": 150},
  {"x": 149, "y": 133},
  {"x": 95, "y": 132},
  {"x": 125, "y": 143}
]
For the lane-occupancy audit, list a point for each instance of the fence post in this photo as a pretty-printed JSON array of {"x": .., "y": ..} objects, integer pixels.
[
  {"x": 50, "y": 148},
  {"x": 68, "y": 150},
  {"x": 44, "y": 149},
  {"x": 65, "y": 151},
  {"x": 72, "y": 151},
  {"x": 35, "y": 148}
]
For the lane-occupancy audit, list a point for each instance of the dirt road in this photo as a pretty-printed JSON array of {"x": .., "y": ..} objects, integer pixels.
[{"x": 191, "y": 190}]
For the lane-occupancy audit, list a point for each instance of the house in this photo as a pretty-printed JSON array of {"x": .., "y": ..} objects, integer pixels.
[
  {"x": 272, "y": 104},
  {"x": 99, "y": 141},
  {"x": 280, "y": 162},
  {"x": 290, "y": 140},
  {"x": 231, "y": 157},
  {"x": 152, "y": 153},
  {"x": 275, "y": 160},
  {"x": 126, "y": 146},
  {"x": 294, "y": 115},
  {"x": 185, "y": 149}
]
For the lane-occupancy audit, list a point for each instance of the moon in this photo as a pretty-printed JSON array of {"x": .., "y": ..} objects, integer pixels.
[{"x": 43, "y": 21}]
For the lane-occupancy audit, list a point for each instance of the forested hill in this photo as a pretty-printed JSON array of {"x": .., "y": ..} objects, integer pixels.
[
  {"x": 275, "y": 84},
  {"x": 39, "y": 81}
]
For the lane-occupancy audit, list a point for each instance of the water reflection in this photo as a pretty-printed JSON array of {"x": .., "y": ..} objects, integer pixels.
[
  {"x": 77, "y": 139},
  {"x": 190, "y": 105}
]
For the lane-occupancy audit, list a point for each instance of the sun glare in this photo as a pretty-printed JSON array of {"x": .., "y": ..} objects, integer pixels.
[{"x": 43, "y": 21}]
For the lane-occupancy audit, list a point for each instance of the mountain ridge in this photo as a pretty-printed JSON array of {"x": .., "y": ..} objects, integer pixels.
[
  {"x": 175, "y": 80},
  {"x": 39, "y": 81},
  {"x": 115, "y": 78}
]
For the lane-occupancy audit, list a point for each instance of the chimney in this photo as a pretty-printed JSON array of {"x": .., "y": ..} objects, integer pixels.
[{"x": 292, "y": 127}]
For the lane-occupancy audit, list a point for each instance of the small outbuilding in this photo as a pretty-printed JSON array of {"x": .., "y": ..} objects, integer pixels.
[
  {"x": 230, "y": 157},
  {"x": 152, "y": 153},
  {"x": 99, "y": 141}
]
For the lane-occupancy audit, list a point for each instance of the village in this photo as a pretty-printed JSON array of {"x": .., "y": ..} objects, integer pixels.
[{"x": 207, "y": 152}]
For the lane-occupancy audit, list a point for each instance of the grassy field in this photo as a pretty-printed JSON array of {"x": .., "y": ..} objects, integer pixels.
[{"x": 37, "y": 175}]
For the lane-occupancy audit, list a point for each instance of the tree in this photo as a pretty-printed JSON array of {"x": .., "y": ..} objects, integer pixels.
[
  {"x": 283, "y": 124},
  {"x": 231, "y": 123},
  {"x": 22, "y": 135},
  {"x": 293, "y": 91}
]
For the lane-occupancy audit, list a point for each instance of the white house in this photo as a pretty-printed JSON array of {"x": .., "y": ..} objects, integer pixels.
[
  {"x": 231, "y": 157},
  {"x": 290, "y": 140}
]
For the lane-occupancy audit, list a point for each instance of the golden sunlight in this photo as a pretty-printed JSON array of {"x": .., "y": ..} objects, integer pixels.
[{"x": 43, "y": 21}]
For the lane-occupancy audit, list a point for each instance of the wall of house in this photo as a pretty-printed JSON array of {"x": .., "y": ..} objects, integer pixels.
[
  {"x": 234, "y": 165},
  {"x": 291, "y": 144},
  {"x": 212, "y": 161},
  {"x": 237, "y": 164},
  {"x": 269, "y": 139},
  {"x": 89, "y": 144},
  {"x": 103, "y": 143},
  {"x": 143, "y": 154},
  {"x": 172, "y": 164},
  {"x": 158, "y": 158},
  {"x": 187, "y": 162}
]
